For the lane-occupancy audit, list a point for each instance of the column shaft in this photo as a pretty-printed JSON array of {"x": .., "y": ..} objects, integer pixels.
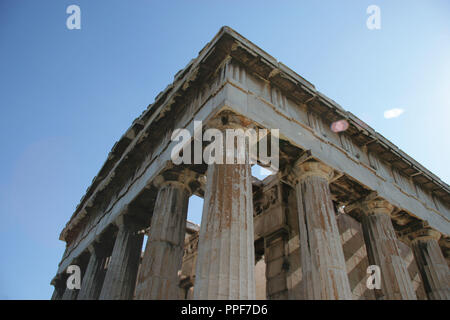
[
  {"x": 58, "y": 292},
  {"x": 95, "y": 274},
  {"x": 276, "y": 266},
  {"x": 122, "y": 269},
  {"x": 322, "y": 258},
  {"x": 433, "y": 268},
  {"x": 382, "y": 250},
  {"x": 158, "y": 278},
  {"x": 225, "y": 263},
  {"x": 70, "y": 294}
]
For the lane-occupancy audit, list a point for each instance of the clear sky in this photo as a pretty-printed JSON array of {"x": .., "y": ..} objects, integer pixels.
[{"x": 68, "y": 95}]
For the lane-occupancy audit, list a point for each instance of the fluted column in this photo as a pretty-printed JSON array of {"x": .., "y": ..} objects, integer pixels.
[
  {"x": 432, "y": 265},
  {"x": 382, "y": 250},
  {"x": 276, "y": 261},
  {"x": 226, "y": 257},
  {"x": 322, "y": 258},
  {"x": 70, "y": 294},
  {"x": 95, "y": 273},
  {"x": 58, "y": 292},
  {"x": 158, "y": 276},
  {"x": 122, "y": 269}
]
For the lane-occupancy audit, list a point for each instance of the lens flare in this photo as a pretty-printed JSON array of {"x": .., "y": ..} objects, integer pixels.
[{"x": 339, "y": 126}]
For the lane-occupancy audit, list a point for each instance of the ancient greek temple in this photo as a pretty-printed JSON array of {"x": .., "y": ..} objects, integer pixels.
[{"x": 341, "y": 202}]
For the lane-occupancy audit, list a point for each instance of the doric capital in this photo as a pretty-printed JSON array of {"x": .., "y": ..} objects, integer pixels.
[
  {"x": 181, "y": 178},
  {"x": 377, "y": 206},
  {"x": 128, "y": 222},
  {"x": 425, "y": 234},
  {"x": 303, "y": 170},
  {"x": 421, "y": 230}
]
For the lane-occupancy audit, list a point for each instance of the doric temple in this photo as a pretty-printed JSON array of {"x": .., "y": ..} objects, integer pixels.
[{"x": 342, "y": 204}]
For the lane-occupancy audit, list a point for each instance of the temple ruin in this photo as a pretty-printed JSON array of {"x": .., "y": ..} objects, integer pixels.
[{"x": 340, "y": 202}]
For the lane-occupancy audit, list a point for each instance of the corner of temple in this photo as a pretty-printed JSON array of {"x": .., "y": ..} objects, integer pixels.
[{"x": 184, "y": 178}]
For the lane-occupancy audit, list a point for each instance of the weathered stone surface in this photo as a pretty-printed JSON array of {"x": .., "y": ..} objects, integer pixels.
[
  {"x": 432, "y": 265},
  {"x": 294, "y": 272},
  {"x": 190, "y": 294},
  {"x": 225, "y": 262},
  {"x": 158, "y": 277},
  {"x": 355, "y": 255},
  {"x": 413, "y": 270},
  {"x": 94, "y": 275},
  {"x": 269, "y": 209},
  {"x": 276, "y": 266},
  {"x": 324, "y": 274},
  {"x": 122, "y": 269},
  {"x": 382, "y": 249},
  {"x": 58, "y": 292},
  {"x": 187, "y": 274},
  {"x": 260, "y": 280},
  {"x": 70, "y": 294}
]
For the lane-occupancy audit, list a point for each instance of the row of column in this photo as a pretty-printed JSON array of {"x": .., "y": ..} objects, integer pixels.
[
  {"x": 110, "y": 273},
  {"x": 322, "y": 259},
  {"x": 225, "y": 263}
]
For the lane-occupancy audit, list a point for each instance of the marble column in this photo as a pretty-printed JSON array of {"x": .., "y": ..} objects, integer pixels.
[
  {"x": 324, "y": 274},
  {"x": 70, "y": 294},
  {"x": 95, "y": 273},
  {"x": 158, "y": 276},
  {"x": 432, "y": 264},
  {"x": 226, "y": 255},
  {"x": 58, "y": 292},
  {"x": 122, "y": 269},
  {"x": 276, "y": 260},
  {"x": 382, "y": 250}
]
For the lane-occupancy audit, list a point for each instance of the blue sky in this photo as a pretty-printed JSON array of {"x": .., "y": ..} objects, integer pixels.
[{"x": 68, "y": 95}]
